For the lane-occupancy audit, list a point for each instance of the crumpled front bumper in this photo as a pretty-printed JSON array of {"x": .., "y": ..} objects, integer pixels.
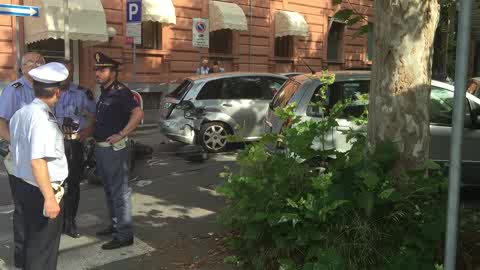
[{"x": 179, "y": 130}]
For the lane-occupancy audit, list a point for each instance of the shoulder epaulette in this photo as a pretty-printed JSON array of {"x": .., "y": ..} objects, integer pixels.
[
  {"x": 121, "y": 86},
  {"x": 16, "y": 85}
]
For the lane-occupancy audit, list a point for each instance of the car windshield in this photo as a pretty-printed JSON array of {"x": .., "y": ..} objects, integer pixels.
[{"x": 181, "y": 90}]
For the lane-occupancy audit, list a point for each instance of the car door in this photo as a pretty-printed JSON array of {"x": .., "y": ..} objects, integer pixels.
[
  {"x": 268, "y": 87},
  {"x": 441, "y": 113},
  {"x": 354, "y": 92},
  {"x": 248, "y": 99},
  {"x": 234, "y": 101}
]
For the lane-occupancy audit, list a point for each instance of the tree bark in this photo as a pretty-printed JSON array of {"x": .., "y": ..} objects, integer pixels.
[{"x": 401, "y": 77}]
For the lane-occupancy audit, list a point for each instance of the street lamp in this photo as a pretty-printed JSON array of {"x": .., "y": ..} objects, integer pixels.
[{"x": 66, "y": 29}]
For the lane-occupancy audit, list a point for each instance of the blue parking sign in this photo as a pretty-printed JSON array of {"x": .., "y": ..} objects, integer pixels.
[{"x": 134, "y": 11}]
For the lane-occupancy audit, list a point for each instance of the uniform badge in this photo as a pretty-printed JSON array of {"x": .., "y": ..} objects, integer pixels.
[
  {"x": 97, "y": 57},
  {"x": 16, "y": 85}
]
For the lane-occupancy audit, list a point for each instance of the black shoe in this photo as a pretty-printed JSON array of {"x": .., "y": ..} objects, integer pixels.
[
  {"x": 106, "y": 232},
  {"x": 115, "y": 243},
  {"x": 72, "y": 232}
]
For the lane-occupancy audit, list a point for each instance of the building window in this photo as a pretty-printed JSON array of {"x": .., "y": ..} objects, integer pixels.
[
  {"x": 221, "y": 41},
  {"x": 335, "y": 38},
  {"x": 370, "y": 42},
  {"x": 284, "y": 46},
  {"x": 151, "y": 36}
]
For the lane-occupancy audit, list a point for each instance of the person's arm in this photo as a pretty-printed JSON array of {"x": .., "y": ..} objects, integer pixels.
[
  {"x": 42, "y": 148},
  {"x": 4, "y": 130},
  {"x": 40, "y": 172},
  {"x": 135, "y": 118},
  {"x": 89, "y": 114},
  {"x": 7, "y": 109}
]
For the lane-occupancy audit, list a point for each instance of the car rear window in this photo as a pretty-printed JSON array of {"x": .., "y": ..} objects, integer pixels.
[
  {"x": 285, "y": 94},
  {"x": 181, "y": 90}
]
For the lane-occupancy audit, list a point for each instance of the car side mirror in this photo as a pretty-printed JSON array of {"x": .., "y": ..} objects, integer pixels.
[{"x": 186, "y": 105}]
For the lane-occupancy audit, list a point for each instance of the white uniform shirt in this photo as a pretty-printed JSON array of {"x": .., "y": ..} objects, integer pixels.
[{"x": 35, "y": 135}]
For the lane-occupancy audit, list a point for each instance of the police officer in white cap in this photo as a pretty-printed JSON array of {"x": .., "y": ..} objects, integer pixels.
[{"x": 40, "y": 167}]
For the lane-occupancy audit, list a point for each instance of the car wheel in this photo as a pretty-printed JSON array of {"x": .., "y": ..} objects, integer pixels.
[{"x": 213, "y": 137}]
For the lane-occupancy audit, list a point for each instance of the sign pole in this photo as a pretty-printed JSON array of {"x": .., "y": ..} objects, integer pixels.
[
  {"x": 17, "y": 45},
  {"x": 455, "y": 173},
  {"x": 66, "y": 26},
  {"x": 200, "y": 60},
  {"x": 134, "y": 30},
  {"x": 134, "y": 61},
  {"x": 200, "y": 37}
]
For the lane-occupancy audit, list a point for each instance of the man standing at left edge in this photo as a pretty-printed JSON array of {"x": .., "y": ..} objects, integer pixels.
[
  {"x": 16, "y": 95},
  {"x": 40, "y": 168}
]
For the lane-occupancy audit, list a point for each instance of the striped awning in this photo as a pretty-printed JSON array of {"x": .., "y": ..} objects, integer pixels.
[
  {"x": 225, "y": 15},
  {"x": 162, "y": 11},
  {"x": 288, "y": 23},
  {"x": 87, "y": 21}
]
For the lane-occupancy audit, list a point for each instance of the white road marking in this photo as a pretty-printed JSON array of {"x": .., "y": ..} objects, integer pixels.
[
  {"x": 144, "y": 183},
  {"x": 6, "y": 209},
  {"x": 86, "y": 253}
]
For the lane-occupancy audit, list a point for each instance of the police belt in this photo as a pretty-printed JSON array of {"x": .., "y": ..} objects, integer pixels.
[
  {"x": 72, "y": 137},
  {"x": 107, "y": 144}
]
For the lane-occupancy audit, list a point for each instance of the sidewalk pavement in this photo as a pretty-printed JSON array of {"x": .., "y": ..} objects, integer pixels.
[{"x": 175, "y": 208}]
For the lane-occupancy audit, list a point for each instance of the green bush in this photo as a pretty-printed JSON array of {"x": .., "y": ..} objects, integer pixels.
[{"x": 289, "y": 214}]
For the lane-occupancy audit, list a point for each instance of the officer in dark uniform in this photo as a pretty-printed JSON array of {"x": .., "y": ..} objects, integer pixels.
[
  {"x": 118, "y": 115},
  {"x": 75, "y": 113}
]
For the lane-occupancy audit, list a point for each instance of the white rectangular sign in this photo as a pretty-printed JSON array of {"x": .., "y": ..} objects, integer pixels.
[
  {"x": 134, "y": 30},
  {"x": 201, "y": 33}
]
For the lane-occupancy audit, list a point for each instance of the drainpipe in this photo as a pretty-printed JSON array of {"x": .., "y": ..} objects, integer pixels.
[{"x": 250, "y": 37}]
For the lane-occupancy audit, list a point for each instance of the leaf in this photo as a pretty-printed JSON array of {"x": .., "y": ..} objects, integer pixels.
[
  {"x": 386, "y": 193},
  {"x": 364, "y": 29},
  {"x": 286, "y": 264},
  {"x": 231, "y": 260},
  {"x": 354, "y": 20},
  {"x": 343, "y": 15},
  {"x": 432, "y": 165},
  {"x": 370, "y": 179},
  {"x": 336, "y": 2},
  {"x": 366, "y": 201},
  {"x": 292, "y": 203}
]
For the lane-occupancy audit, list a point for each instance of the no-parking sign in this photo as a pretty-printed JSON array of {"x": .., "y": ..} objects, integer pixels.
[{"x": 201, "y": 33}]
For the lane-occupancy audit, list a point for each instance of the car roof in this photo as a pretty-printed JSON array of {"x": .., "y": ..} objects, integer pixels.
[
  {"x": 340, "y": 75},
  {"x": 233, "y": 75}
]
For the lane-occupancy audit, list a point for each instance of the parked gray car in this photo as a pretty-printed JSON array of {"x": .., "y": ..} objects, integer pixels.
[
  {"x": 303, "y": 91},
  {"x": 235, "y": 103}
]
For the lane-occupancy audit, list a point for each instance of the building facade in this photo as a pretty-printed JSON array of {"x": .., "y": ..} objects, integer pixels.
[{"x": 250, "y": 35}]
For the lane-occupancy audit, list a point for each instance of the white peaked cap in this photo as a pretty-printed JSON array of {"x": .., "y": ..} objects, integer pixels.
[{"x": 50, "y": 73}]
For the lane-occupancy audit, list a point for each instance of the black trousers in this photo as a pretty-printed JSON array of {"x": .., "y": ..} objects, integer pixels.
[
  {"x": 18, "y": 225},
  {"x": 42, "y": 235},
  {"x": 74, "y": 153}
]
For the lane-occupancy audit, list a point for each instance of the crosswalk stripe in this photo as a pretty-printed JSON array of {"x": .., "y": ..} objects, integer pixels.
[{"x": 86, "y": 253}]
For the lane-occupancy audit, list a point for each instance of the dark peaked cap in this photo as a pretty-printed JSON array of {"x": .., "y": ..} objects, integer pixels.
[{"x": 102, "y": 60}]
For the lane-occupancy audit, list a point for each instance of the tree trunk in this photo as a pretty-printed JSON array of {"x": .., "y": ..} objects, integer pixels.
[{"x": 401, "y": 77}]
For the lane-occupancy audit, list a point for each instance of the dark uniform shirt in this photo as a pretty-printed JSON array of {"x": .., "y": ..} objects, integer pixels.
[{"x": 113, "y": 110}]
